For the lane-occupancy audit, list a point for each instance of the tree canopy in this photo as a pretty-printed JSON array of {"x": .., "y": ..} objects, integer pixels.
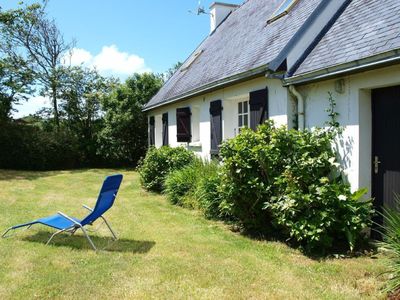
[{"x": 93, "y": 120}]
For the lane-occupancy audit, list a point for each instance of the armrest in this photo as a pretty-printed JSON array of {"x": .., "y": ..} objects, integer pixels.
[
  {"x": 69, "y": 218},
  {"x": 87, "y": 207}
]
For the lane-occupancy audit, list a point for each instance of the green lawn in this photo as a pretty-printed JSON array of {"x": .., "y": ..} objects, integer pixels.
[{"x": 163, "y": 252}]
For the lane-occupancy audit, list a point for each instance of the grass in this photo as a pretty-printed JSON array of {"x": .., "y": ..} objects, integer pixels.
[{"x": 164, "y": 251}]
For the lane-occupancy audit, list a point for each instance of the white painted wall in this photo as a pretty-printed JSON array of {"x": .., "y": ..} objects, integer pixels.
[
  {"x": 279, "y": 107},
  {"x": 354, "y": 107}
]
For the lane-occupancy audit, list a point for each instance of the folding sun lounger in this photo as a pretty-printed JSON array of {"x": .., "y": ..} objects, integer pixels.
[{"x": 64, "y": 223}]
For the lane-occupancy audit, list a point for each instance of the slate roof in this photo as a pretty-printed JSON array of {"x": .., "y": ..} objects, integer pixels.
[
  {"x": 241, "y": 43},
  {"x": 366, "y": 28}
]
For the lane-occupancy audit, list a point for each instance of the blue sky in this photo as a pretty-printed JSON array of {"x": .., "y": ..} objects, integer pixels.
[{"x": 120, "y": 37}]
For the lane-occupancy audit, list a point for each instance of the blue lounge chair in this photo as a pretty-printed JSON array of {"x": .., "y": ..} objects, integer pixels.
[{"x": 64, "y": 223}]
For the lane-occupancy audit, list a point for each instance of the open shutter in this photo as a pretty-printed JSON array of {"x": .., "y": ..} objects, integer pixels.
[
  {"x": 216, "y": 126},
  {"x": 165, "y": 141},
  {"x": 152, "y": 131},
  {"x": 183, "y": 123},
  {"x": 258, "y": 108}
]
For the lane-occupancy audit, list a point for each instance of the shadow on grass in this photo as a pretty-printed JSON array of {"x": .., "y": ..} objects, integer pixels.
[
  {"x": 33, "y": 175},
  {"x": 24, "y": 175},
  {"x": 339, "y": 250},
  {"x": 79, "y": 242}
]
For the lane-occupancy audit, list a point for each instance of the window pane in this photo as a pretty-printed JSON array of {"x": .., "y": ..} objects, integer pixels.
[
  {"x": 246, "y": 120},
  {"x": 240, "y": 107},
  {"x": 245, "y": 107},
  {"x": 240, "y": 121},
  {"x": 285, "y": 5}
]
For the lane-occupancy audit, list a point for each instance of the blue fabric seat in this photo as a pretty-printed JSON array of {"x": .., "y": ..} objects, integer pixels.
[
  {"x": 57, "y": 222},
  {"x": 64, "y": 223}
]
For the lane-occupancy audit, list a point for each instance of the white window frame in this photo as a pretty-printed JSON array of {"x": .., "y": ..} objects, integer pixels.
[
  {"x": 243, "y": 114},
  {"x": 276, "y": 16},
  {"x": 186, "y": 65}
]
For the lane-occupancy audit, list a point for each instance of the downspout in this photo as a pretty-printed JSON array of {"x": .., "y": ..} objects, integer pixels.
[{"x": 300, "y": 107}]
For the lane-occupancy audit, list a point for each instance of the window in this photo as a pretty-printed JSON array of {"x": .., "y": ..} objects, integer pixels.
[
  {"x": 152, "y": 131},
  {"x": 183, "y": 125},
  {"x": 282, "y": 10},
  {"x": 165, "y": 129},
  {"x": 243, "y": 114},
  {"x": 186, "y": 65}
]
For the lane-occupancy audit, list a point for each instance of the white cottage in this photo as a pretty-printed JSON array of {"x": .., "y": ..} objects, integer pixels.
[{"x": 278, "y": 59}]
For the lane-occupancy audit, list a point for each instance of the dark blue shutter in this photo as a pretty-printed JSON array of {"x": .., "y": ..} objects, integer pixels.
[
  {"x": 152, "y": 131},
  {"x": 258, "y": 107},
  {"x": 165, "y": 129},
  {"x": 183, "y": 125},
  {"x": 216, "y": 126}
]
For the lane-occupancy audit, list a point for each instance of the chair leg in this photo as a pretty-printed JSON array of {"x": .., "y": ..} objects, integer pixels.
[
  {"x": 89, "y": 239},
  {"x": 109, "y": 227},
  {"x": 4, "y": 235},
  {"x": 54, "y": 234},
  {"x": 7, "y": 231}
]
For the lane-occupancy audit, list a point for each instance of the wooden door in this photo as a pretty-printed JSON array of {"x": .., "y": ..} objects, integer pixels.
[
  {"x": 216, "y": 126},
  {"x": 385, "y": 147}
]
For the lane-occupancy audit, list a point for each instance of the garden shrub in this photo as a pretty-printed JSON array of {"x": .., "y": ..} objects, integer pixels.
[
  {"x": 159, "y": 162},
  {"x": 209, "y": 195},
  {"x": 246, "y": 182},
  {"x": 196, "y": 186},
  {"x": 290, "y": 181},
  {"x": 181, "y": 184},
  {"x": 390, "y": 232},
  {"x": 28, "y": 147}
]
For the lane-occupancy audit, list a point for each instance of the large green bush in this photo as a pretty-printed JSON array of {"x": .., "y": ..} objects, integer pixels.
[
  {"x": 27, "y": 147},
  {"x": 159, "y": 162},
  {"x": 246, "y": 180},
  {"x": 290, "y": 181},
  {"x": 181, "y": 184},
  {"x": 209, "y": 194},
  {"x": 197, "y": 187}
]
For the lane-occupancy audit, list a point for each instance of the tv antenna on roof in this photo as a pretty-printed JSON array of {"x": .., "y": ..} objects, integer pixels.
[{"x": 200, "y": 10}]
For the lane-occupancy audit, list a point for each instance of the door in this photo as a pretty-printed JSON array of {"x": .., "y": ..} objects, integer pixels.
[
  {"x": 385, "y": 147},
  {"x": 152, "y": 131},
  {"x": 216, "y": 126},
  {"x": 165, "y": 141}
]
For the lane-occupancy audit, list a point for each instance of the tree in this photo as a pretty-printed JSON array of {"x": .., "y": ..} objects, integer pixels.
[
  {"x": 80, "y": 97},
  {"x": 124, "y": 137},
  {"x": 28, "y": 32},
  {"x": 171, "y": 71},
  {"x": 15, "y": 83}
]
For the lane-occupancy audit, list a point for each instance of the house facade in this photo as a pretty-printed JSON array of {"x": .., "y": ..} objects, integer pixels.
[{"x": 279, "y": 60}]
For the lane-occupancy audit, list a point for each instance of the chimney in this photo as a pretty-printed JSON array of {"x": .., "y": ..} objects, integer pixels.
[{"x": 219, "y": 11}]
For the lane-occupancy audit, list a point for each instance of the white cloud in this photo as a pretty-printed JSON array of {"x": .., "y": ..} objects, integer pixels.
[
  {"x": 110, "y": 61},
  {"x": 31, "y": 106},
  {"x": 79, "y": 56}
]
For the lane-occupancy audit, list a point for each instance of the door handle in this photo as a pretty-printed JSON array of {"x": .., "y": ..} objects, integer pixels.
[{"x": 376, "y": 164}]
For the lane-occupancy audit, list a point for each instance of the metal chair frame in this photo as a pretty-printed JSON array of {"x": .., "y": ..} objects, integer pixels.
[{"x": 71, "y": 229}]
